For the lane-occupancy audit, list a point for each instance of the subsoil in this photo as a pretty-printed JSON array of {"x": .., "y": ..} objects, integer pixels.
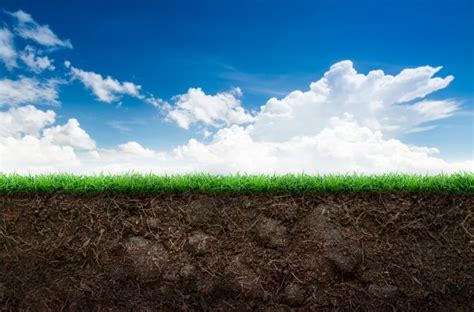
[{"x": 221, "y": 252}]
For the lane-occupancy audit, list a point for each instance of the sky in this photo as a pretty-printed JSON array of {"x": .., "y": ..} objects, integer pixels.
[{"x": 221, "y": 87}]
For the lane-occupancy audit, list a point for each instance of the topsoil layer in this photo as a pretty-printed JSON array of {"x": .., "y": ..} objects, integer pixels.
[{"x": 272, "y": 252}]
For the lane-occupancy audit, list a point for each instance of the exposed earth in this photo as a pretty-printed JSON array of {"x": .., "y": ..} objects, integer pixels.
[{"x": 207, "y": 252}]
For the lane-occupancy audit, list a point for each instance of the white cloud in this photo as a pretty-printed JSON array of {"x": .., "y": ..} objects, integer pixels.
[
  {"x": 24, "y": 120},
  {"x": 34, "y": 62},
  {"x": 127, "y": 157},
  {"x": 8, "y": 52},
  {"x": 212, "y": 110},
  {"x": 69, "y": 134},
  {"x": 135, "y": 149},
  {"x": 27, "y": 28},
  {"x": 35, "y": 155},
  {"x": 344, "y": 146},
  {"x": 92, "y": 155},
  {"x": 26, "y": 145},
  {"x": 346, "y": 122},
  {"x": 206, "y": 133},
  {"x": 28, "y": 91},
  {"x": 375, "y": 100},
  {"x": 111, "y": 90},
  {"x": 105, "y": 89},
  {"x": 156, "y": 102},
  {"x": 434, "y": 110}
]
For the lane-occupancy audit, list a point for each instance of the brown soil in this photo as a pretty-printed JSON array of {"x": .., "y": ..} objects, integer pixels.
[{"x": 270, "y": 252}]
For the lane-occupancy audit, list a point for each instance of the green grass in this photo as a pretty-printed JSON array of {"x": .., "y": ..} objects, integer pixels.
[{"x": 136, "y": 183}]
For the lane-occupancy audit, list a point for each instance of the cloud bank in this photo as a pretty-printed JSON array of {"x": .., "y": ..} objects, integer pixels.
[{"x": 345, "y": 122}]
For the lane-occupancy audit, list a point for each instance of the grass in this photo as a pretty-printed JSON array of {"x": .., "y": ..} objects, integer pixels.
[{"x": 137, "y": 183}]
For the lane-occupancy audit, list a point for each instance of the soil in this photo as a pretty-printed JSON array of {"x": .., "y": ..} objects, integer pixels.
[{"x": 266, "y": 252}]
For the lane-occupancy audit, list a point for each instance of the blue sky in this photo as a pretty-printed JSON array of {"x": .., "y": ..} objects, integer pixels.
[{"x": 266, "y": 48}]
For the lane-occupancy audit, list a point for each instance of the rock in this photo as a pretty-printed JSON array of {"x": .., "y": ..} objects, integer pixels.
[
  {"x": 383, "y": 291},
  {"x": 149, "y": 258},
  {"x": 272, "y": 233},
  {"x": 344, "y": 263},
  {"x": 293, "y": 294},
  {"x": 200, "y": 243}
]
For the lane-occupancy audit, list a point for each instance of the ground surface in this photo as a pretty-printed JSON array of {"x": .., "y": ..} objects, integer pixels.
[{"x": 272, "y": 252}]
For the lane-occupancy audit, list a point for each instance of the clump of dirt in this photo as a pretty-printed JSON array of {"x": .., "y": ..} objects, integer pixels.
[
  {"x": 272, "y": 252},
  {"x": 200, "y": 243},
  {"x": 271, "y": 233},
  {"x": 149, "y": 258}
]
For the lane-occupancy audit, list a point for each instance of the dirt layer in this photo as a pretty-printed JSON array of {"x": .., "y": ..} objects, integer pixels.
[{"x": 267, "y": 252}]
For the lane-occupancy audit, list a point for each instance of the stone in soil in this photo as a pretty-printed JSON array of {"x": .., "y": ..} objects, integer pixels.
[
  {"x": 200, "y": 243},
  {"x": 343, "y": 262},
  {"x": 271, "y": 233},
  {"x": 149, "y": 257},
  {"x": 333, "y": 238},
  {"x": 319, "y": 217}
]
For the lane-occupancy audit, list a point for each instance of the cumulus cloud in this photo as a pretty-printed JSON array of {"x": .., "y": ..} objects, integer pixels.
[
  {"x": 376, "y": 100},
  {"x": 24, "y": 120},
  {"x": 344, "y": 146},
  {"x": 127, "y": 157},
  {"x": 213, "y": 110},
  {"x": 36, "y": 63},
  {"x": 30, "y": 154},
  {"x": 105, "y": 89},
  {"x": 70, "y": 134},
  {"x": 28, "y": 91},
  {"x": 27, "y": 28},
  {"x": 346, "y": 122},
  {"x": 135, "y": 149},
  {"x": 28, "y": 145},
  {"x": 8, "y": 52}
]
